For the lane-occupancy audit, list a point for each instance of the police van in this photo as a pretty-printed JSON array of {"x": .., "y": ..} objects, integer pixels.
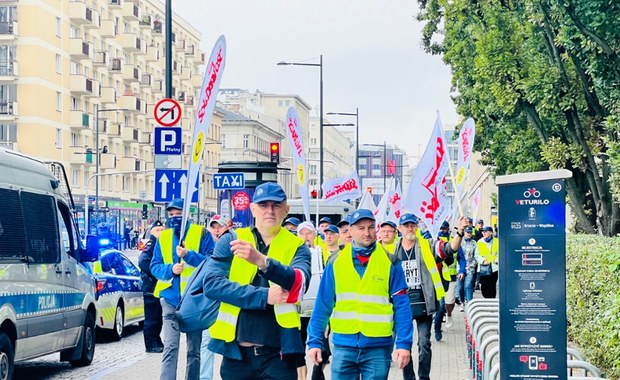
[{"x": 47, "y": 298}]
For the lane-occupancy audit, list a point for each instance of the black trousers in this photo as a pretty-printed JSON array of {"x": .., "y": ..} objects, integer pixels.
[
  {"x": 488, "y": 285},
  {"x": 261, "y": 363},
  {"x": 152, "y": 321}
]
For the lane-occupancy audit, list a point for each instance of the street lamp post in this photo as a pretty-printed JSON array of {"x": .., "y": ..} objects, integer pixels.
[
  {"x": 357, "y": 134},
  {"x": 97, "y": 111},
  {"x": 320, "y": 66}
]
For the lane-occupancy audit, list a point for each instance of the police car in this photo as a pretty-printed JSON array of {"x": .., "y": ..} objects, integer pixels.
[{"x": 118, "y": 291}]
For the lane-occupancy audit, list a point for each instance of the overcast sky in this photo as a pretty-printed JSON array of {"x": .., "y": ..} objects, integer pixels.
[{"x": 372, "y": 59}]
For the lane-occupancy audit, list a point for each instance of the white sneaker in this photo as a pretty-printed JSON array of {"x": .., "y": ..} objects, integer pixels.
[
  {"x": 449, "y": 322},
  {"x": 462, "y": 308}
]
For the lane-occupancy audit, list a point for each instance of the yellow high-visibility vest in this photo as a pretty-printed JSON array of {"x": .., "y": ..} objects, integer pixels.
[
  {"x": 390, "y": 247},
  {"x": 431, "y": 265},
  {"x": 282, "y": 249},
  {"x": 363, "y": 305},
  {"x": 192, "y": 242},
  {"x": 445, "y": 270},
  {"x": 489, "y": 255}
]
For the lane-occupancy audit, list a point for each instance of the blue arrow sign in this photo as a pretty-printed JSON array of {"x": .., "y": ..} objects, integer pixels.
[
  {"x": 171, "y": 183},
  {"x": 228, "y": 181},
  {"x": 168, "y": 140}
]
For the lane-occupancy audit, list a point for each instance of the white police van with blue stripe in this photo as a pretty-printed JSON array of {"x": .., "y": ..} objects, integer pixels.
[{"x": 47, "y": 298}]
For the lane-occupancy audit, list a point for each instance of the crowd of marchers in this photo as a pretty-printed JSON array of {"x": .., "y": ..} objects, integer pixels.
[{"x": 369, "y": 284}]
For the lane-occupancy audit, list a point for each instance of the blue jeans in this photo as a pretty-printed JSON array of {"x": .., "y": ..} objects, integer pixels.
[
  {"x": 172, "y": 336},
  {"x": 470, "y": 284},
  {"x": 441, "y": 311},
  {"x": 206, "y": 357},
  {"x": 372, "y": 363},
  {"x": 425, "y": 354}
]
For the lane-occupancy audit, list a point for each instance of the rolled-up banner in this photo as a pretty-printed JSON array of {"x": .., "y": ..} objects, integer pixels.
[
  {"x": 295, "y": 138},
  {"x": 206, "y": 105},
  {"x": 466, "y": 146}
]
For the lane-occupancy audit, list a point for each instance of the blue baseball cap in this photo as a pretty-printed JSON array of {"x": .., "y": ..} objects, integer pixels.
[
  {"x": 408, "y": 218},
  {"x": 445, "y": 225},
  {"x": 468, "y": 229},
  {"x": 269, "y": 191},
  {"x": 470, "y": 220},
  {"x": 332, "y": 228},
  {"x": 389, "y": 223},
  {"x": 487, "y": 228},
  {"x": 343, "y": 221},
  {"x": 360, "y": 214},
  {"x": 175, "y": 203},
  {"x": 325, "y": 219},
  {"x": 292, "y": 220}
]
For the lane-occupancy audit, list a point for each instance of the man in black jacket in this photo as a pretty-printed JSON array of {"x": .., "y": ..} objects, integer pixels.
[{"x": 152, "y": 307}]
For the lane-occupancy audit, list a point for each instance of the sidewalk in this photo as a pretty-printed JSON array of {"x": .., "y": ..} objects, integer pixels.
[{"x": 449, "y": 359}]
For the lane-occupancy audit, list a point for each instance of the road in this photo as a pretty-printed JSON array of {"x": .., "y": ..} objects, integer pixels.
[{"x": 108, "y": 356}]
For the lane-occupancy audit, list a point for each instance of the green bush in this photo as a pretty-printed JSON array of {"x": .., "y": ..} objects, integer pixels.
[{"x": 593, "y": 299}]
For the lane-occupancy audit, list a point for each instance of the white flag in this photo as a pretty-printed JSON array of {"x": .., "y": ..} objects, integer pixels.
[
  {"x": 396, "y": 205},
  {"x": 367, "y": 202},
  {"x": 475, "y": 203},
  {"x": 295, "y": 138},
  {"x": 427, "y": 195},
  {"x": 347, "y": 187},
  {"x": 466, "y": 146},
  {"x": 206, "y": 105}
]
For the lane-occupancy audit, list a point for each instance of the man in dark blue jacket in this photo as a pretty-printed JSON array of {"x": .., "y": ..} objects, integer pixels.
[{"x": 152, "y": 307}]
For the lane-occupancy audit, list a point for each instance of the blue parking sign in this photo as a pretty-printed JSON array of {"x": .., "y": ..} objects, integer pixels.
[{"x": 168, "y": 140}]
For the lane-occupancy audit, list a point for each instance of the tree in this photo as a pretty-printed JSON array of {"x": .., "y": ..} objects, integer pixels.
[{"x": 541, "y": 78}]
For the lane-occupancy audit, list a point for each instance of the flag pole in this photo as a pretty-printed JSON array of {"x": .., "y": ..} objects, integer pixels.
[{"x": 456, "y": 191}]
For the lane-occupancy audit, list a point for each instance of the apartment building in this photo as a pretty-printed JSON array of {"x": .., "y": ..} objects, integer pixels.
[{"x": 72, "y": 72}]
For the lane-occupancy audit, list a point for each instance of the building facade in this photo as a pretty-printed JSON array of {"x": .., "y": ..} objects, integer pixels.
[
  {"x": 380, "y": 164},
  {"x": 77, "y": 75}
]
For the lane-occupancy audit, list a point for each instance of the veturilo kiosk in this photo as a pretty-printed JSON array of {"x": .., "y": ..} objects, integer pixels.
[{"x": 532, "y": 275}]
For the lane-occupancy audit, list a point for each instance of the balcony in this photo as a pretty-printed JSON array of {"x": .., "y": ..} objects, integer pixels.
[
  {"x": 181, "y": 45},
  {"x": 8, "y": 110},
  {"x": 78, "y": 48},
  {"x": 108, "y": 95},
  {"x": 157, "y": 86},
  {"x": 129, "y": 164},
  {"x": 100, "y": 58},
  {"x": 152, "y": 54},
  {"x": 109, "y": 29},
  {"x": 116, "y": 65},
  {"x": 158, "y": 29},
  {"x": 107, "y": 161},
  {"x": 77, "y": 13},
  {"x": 80, "y": 85},
  {"x": 81, "y": 155},
  {"x": 131, "y": 73},
  {"x": 129, "y": 134},
  {"x": 8, "y": 30},
  {"x": 130, "y": 42},
  {"x": 131, "y": 11},
  {"x": 145, "y": 138},
  {"x": 132, "y": 103},
  {"x": 8, "y": 71},
  {"x": 94, "y": 20},
  {"x": 186, "y": 73},
  {"x": 112, "y": 129},
  {"x": 79, "y": 120},
  {"x": 114, "y": 4},
  {"x": 145, "y": 22},
  {"x": 196, "y": 81}
]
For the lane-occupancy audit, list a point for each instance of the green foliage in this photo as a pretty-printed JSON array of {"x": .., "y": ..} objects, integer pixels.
[
  {"x": 593, "y": 299},
  {"x": 542, "y": 80}
]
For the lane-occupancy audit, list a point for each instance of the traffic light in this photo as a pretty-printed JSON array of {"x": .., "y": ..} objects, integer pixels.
[
  {"x": 145, "y": 212},
  {"x": 314, "y": 194},
  {"x": 274, "y": 150}
]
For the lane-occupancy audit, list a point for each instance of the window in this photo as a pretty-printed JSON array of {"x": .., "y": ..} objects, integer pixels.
[
  {"x": 223, "y": 140},
  {"x": 313, "y": 169},
  {"x": 13, "y": 231},
  {"x": 58, "y": 138},
  {"x": 246, "y": 141},
  {"x": 42, "y": 232},
  {"x": 75, "y": 139},
  {"x": 74, "y": 68},
  {"x": 68, "y": 231},
  {"x": 74, "y": 32},
  {"x": 76, "y": 105},
  {"x": 75, "y": 177},
  {"x": 8, "y": 132},
  {"x": 58, "y": 27},
  {"x": 58, "y": 64},
  {"x": 313, "y": 141},
  {"x": 58, "y": 101}
]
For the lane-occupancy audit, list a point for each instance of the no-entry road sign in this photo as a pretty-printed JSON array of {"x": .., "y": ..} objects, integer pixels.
[{"x": 167, "y": 112}]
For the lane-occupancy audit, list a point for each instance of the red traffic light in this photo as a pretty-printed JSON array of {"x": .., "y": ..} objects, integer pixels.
[
  {"x": 274, "y": 150},
  {"x": 314, "y": 194}
]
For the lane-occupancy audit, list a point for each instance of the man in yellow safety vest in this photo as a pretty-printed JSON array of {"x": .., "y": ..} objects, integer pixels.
[
  {"x": 259, "y": 274},
  {"x": 174, "y": 261},
  {"x": 363, "y": 295}
]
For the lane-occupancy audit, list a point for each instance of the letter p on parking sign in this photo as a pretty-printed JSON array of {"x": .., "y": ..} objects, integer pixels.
[{"x": 168, "y": 140}]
